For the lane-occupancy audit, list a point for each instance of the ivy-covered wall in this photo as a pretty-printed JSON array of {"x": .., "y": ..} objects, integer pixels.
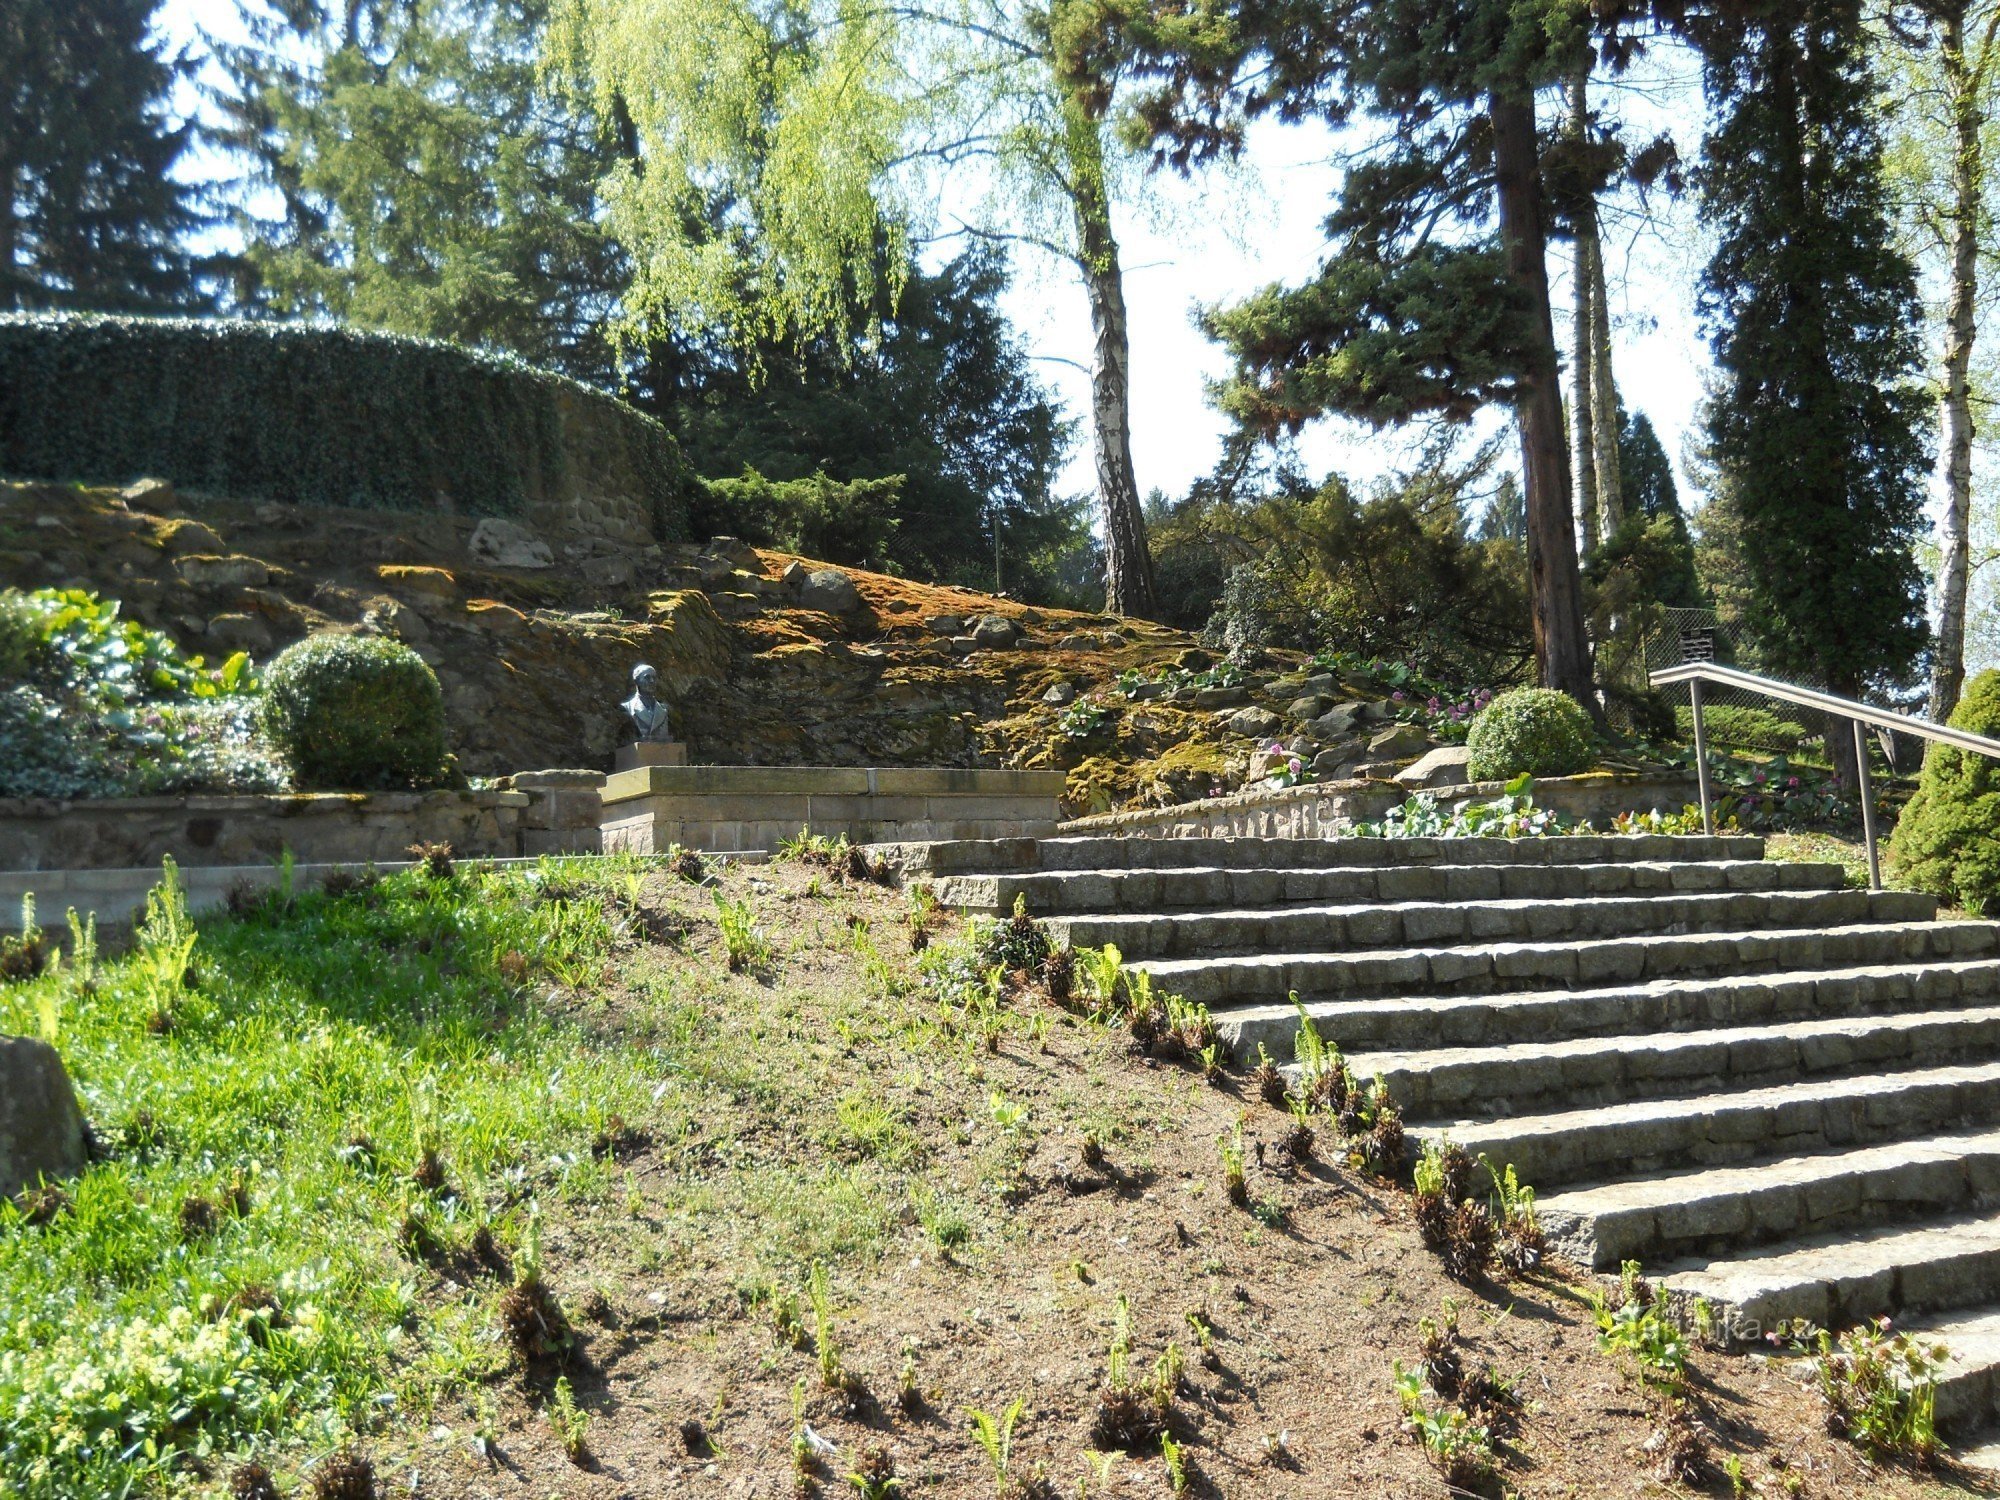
[{"x": 330, "y": 416}]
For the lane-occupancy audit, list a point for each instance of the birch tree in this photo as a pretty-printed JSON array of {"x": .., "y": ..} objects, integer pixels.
[{"x": 1940, "y": 156}]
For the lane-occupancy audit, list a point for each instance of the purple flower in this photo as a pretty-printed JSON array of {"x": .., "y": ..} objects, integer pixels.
[
  {"x": 1296, "y": 765},
  {"x": 1397, "y": 695}
]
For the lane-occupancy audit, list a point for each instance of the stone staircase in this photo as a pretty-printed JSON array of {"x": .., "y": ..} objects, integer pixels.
[{"x": 1777, "y": 1094}]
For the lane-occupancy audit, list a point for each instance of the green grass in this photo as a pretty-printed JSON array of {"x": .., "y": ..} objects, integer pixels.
[{"x": 326, "y": 1043}]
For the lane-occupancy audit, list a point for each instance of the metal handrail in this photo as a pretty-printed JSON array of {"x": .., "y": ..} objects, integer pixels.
[{"x": 1695, "y": 673}]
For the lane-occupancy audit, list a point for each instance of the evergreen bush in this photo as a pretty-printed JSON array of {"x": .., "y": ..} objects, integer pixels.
[
  {"x": 1948, "y": 840},
  {"x": 356, "y": 714},
  {"x": 318, "y": 416},
  {"x": 1530, "y": 732}
]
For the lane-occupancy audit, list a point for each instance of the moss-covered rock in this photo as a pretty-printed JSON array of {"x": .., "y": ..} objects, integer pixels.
[{"x": 1948, "y": 841}]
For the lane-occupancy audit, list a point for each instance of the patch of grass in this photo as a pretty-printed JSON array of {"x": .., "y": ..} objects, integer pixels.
[{"x": 309, "y": 1028}]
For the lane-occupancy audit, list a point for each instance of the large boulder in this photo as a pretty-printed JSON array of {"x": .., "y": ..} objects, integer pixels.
[
  {"x": 41, "y": 1126},
  {"x": 829, "y": 590},
  {"x": 994, "y": 632},
  {"x": 222, "y": 572},
  {"x": 1257, "y": 723},
  {"x": 1335, "y": 723},
  {"x": 501, "y": 543},
  {"x": 1398, "y": 742},
  {"x": 1444, "y": 766}
]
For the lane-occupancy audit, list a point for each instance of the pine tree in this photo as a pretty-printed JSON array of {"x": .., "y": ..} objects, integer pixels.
[
  {"x": 1818, "y": 425},
  {"x": 430, "y": 180},
  {"x": 1645, "y": 475},
  {"x": 1435, "y": 299},
  {"x": 91, "y": 216}
]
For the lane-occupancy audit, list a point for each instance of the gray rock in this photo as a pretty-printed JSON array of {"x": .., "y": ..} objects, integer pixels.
[
  {"x": 794, "y": 576},
  {"x": 155, "y": 494},
  {"x": 241, "y": 632},
  {"x": 1444, "y": 766},
  {"x": 1308, "y": 708},
  {"x": 1082, "y": 642},
  {"x": 945, "y": 624},
  {"x": 734, "y": 551},
  {"x": 500, "y": 543},
  {"x": 222, "y": 572},
  {"x": 1320, "y": 684},
  {"x": 1399, "y": 742},
  {"x": 1220, "y": 697},
  {"x": 1060, "y": 694},
  {"x": 1335, "y": 722},
  {"x": 614, "y": 572},
  {"x": 830, "y": 590},
  {"x": 41, "y": 1127},
  {"x": 185, "y": 537},
  {"x": 964, "y": 645},
  {"x": 1333, "y": 765},
  {"x": 995, "y": 632},
  {"x": 1148, "y": 692},
  {"x": 1257, "y": 723}
]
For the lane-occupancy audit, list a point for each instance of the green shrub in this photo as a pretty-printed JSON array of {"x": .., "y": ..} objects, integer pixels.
[
  {"x": 356, "y": 713},
  {"x": 319, "y": 416},
  {"x": 1747, "y": 728},
  {"x": 1529, "y": 732},
  {"x": 843, "y": 521},
  {"x": 1948, "y": 840}
]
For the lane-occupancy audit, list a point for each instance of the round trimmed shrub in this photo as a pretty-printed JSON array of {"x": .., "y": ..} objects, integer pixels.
[
  {"x": 355, "y": 713},
  {"x": 1948, "y": 839},
  {"x": 1530, "y": 731}
]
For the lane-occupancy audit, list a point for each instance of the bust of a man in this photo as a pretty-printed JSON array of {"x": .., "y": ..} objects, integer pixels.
[{"x": 646, "y": 709}]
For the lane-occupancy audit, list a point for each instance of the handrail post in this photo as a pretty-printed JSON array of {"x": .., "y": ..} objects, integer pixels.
[
  {"x": 1867, "y": 805},
  {"x": 1701, "y": 758}
]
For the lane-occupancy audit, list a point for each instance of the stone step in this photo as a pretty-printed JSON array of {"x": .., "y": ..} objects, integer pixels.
[
  {"x": 1482, "y": 1082},
  {"x": 1497, "y": 967},
  {"x": 1968, "y": 1392},
  {"x": 1014, "y": 856},
  {"x": 1662, "y": 1135},
  {"x": 1836, "y": 1281},
  {"x": 1400, "y": 924},
  {"x": 1677, "y": 1004},
  {"x": 1711, "y": 1212},
  {"x": 1062, "y": 892}
]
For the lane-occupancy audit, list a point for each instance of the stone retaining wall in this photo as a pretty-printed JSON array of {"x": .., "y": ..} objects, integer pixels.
[
  {"x": 539, "y": 812},
  {"x": 730, "y": 808},
  {"x": 1321, "y": 810}
]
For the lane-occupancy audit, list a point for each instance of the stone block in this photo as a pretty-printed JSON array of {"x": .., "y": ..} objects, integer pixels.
[
  {"x": 650, "y": 753},
  {"x": 41, "y": 1125}
]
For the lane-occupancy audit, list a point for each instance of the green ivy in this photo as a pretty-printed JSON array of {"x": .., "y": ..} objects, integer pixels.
[{"x": 315, "y": 416}]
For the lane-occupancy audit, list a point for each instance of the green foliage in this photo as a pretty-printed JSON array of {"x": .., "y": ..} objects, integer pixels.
[
  {"x": 1880, "y": 1389},
  {"x": 1818, "y": 427},
  {"x": 356, "y": 713},
  {"x": 316, "y": 416},
  {"x": 933, "y": 432},
  {"x": 434, "y": 182},
  {"x": 1396, "y": 576},
  {"x": 1749, "y": 728},
  {"x": 1530, "y": 732},
  {"x": 1948, "y": 839},
  {"x": 127, "y": 1353},
  {"x": 93, "y": 704},
  {"x": 852, "y": 523},
  {"x": 1642, "y": 1324},
  {"x": 98, "y": 215},
  {"x": 1512, "y": 815},
  {"x": 1460, "y": 1449}
]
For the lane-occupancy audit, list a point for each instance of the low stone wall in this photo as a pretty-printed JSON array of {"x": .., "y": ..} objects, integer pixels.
[
  {"x": 729, "y": 808},
  {"x": 538, "y": 812},
  {"x": 1322, "y": 810}
]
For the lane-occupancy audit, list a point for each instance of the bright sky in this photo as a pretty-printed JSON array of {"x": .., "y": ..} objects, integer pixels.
[{"x": 1184, "y": 248}]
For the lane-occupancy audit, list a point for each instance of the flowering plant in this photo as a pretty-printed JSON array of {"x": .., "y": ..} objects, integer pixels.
[{"x": 1287, "y": 768}]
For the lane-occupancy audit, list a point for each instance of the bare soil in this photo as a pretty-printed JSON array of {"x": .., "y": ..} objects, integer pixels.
[{"x": 824, "y": 1108}]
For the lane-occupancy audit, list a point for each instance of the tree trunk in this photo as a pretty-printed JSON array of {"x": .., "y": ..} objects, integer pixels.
[
  {"x": 10, "y": 272},
  {"x": 1948, "y": 662},
  {"x": 1128, "y": 562},
  {"x": 1562, "y": 647},
  {"x": 1582, "y": 405},
  {"x": 1603, "y": 389}
]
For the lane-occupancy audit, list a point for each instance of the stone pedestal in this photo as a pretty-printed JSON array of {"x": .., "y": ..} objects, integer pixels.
[{"x": 651, "y": 753}]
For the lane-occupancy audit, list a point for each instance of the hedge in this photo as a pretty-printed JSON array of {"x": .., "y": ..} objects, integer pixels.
[{"x": 316, "y": 415}]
